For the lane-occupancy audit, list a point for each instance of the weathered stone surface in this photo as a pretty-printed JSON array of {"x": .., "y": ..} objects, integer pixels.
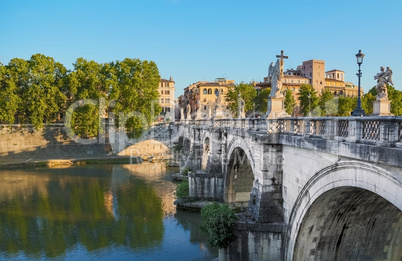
[{"x": 293, "y": 164}]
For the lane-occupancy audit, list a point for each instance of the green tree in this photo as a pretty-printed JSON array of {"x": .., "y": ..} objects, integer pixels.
[
  {"x": 9, "y": 99},
  {"x": 367, "y": 102},
  {"x": 308, "y": 99},
  {"x": 39, "y": 81},
  {"x": 290, "y": 102},
  {"x": 218, "y": 223},
  {"x": 247, "y": 93},
  {"x": 346, "y": 105},
  {"x": 18, "y": 71},
  {"x": 135, "y": 94},
  {"x": 261, "y": 100},
  {"x": 88, "y": 84},
  {"x": 325, "y": 103},
  {"x": 395, "y": 96}
]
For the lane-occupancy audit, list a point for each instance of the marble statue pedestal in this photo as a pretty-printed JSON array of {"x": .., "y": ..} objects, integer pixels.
[
  {"x": 276, "y": 108},
  {"x": 198, "y": 115},
  {"x": 219, "y": 113},
  {"x": 382, "y": 108}
]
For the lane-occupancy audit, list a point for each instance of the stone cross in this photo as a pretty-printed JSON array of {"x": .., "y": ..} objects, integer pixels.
[{"x": 282, "y": 57}]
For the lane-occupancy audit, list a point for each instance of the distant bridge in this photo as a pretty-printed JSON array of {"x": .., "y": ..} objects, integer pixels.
[{"x": 311, "y": 188}]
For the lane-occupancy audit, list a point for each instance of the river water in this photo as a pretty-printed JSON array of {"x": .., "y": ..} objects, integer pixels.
[{"x": 104, "y": 212}]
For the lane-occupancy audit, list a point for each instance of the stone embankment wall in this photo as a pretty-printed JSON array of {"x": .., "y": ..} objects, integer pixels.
[{"x": 51, "y": 142}]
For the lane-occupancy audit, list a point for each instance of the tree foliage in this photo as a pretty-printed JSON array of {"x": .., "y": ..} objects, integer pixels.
[
  {"x": 135, "y": 94},
  {"x": 326, "y": 103},
  {"x": 290, "y": 102},
  {"x": 9, "y": 99},
  {"x": 37, "y": 90},
  {"x": 247, "y": 93},
  {"x": 346, "y": 105},
  {"x": 367, "y": 102},
  {"x": 218, "y": 223},
  {"x": 261, "y": 100},
  {"x": 38, "y": 82},
  {"x": 308, "y": 99}
]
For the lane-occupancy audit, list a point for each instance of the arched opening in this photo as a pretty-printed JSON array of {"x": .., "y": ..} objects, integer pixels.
[
  {"x": 205, "y": 154},
  {"x": 148, "y": 149},
  {"x": 350, "y": 223},
  {"x": 186, "y": 146},
  {"x": 239, "y": 179}
]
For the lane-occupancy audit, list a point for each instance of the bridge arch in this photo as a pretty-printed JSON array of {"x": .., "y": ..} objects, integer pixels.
[
  {"x": 342, "y": 210},
  {"x": 239, "y": 178},
  {"x": 146, "y": 149}
]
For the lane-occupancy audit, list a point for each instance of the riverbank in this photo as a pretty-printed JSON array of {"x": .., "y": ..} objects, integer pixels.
[{"x": 7, "y": 163}]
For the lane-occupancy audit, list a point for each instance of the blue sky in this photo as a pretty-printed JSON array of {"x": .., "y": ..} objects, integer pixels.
[{"x": 202, "y": 40}]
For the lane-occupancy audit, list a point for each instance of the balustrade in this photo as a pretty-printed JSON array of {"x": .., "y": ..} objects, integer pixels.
[{"x": 352, "y": 129}]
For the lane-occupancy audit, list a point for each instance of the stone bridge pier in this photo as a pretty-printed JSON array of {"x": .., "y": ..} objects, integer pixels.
[{"x": 307, "y": 188}]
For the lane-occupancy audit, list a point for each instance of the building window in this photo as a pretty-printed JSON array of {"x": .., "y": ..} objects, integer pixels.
[
  {"x": 162, "y": 92},
  {"x": 205, "y": 107},
  {"x": 167, "y": 100},
  {"x": 161, "y": 100},
  {"x": 209, "y": 91},
  {"x": 204, "y": 91},
  {"x": 167, "y": 92}
]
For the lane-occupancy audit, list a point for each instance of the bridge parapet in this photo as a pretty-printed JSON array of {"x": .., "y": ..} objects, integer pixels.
[{"x": 371, "y": 130}]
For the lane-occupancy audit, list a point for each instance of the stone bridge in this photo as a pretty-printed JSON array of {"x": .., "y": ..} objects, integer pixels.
[{"x": 310, "y": 188}]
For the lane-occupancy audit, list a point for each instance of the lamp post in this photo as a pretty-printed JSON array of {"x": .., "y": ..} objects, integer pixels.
[{"x": 359, "y": 110}]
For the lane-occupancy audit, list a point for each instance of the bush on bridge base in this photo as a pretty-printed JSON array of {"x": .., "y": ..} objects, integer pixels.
[{"x": 218, "y": 223}]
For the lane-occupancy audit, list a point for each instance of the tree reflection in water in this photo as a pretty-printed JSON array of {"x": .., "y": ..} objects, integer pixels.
[{"x": 45, "y": 212}]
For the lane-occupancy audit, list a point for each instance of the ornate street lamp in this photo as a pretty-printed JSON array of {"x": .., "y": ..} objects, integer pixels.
[{"x": 359, "y": 110}]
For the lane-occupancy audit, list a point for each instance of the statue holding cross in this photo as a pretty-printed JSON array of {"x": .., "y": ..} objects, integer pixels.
[
  {"x": 275, "y": 73},
  {"x": 276, "y": 100}
]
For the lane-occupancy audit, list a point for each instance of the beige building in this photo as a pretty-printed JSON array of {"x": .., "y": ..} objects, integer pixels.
[
  {"x": 335, "y": 82},
  {"x": 202, "y": 96},
  {"x": 313, "y": 72},
  {"x": 166, "y": 100}
]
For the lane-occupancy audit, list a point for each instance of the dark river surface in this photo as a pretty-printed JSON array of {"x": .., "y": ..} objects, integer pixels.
[{"x": 96, "y": 212}]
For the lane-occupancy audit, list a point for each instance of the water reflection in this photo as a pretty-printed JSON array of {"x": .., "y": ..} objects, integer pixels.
[{"x": 78, "y": 212}]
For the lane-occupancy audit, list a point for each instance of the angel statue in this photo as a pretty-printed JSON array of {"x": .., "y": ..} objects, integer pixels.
[
  {"x": 275, "y": 72},
  {"x": 383, "y": 78}
]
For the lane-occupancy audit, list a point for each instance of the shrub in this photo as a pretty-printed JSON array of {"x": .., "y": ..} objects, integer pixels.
[
  {"x": 186, "y": 171},
  {"x": 182, "y": 190},
  {"x": 218, "y": 223},
  {"x": 177, "y": 147}
]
